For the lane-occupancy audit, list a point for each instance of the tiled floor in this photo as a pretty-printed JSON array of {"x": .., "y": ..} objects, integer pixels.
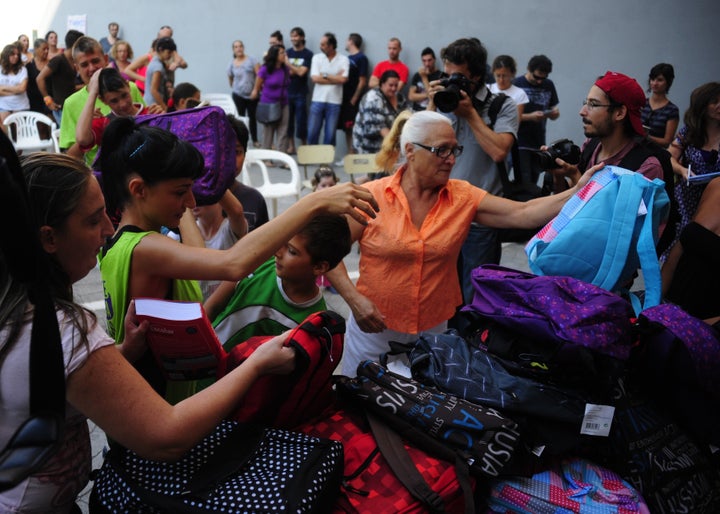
[{"x": 89, "y": 292}]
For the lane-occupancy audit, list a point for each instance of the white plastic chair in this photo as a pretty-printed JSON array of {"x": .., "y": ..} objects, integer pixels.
[
  {"x": 222, "y": 100},
  {"x": 27, "y": 136},
  {"x": 275, "y": 190}
]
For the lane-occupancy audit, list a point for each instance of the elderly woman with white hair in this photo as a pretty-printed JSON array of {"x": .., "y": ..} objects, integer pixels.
[{"x": 408, "y": 279}]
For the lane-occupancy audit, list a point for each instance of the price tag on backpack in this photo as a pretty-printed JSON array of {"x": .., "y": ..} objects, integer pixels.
[{"x": 597, "y": 420}]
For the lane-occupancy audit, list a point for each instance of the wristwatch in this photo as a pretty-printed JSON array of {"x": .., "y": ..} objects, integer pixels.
[{"x": 325, "y": 75}]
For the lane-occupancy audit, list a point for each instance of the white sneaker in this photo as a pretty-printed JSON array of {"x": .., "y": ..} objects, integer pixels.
[{"x": 339, "y": 163}]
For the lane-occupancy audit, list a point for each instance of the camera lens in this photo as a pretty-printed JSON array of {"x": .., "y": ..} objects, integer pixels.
[{"x": 447, "y": 99}]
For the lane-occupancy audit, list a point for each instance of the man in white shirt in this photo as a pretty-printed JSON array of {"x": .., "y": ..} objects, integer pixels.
[{"x": 329, "y": 71}]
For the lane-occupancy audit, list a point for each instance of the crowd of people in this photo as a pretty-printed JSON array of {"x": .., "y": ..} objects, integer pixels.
[{"x": 423, "y": 224}]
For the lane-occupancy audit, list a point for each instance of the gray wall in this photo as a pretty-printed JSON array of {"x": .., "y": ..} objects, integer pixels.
[{"x": 583, "y": 38}]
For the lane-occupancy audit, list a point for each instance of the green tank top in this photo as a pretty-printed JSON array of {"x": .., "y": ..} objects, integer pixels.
[{"x": 115, "y": 259}]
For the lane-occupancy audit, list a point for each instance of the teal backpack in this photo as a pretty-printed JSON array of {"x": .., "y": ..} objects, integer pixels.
[{"x": 605, "y": 233}]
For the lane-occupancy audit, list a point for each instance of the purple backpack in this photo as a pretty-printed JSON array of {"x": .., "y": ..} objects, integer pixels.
[
  {"x": 679, "y": 358},
  {"x": 554, "y": 308},
  {"x": 208, "y": 129}
]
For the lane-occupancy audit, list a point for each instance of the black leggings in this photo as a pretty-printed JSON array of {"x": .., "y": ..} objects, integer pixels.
[{"x": 246, "y": 105}]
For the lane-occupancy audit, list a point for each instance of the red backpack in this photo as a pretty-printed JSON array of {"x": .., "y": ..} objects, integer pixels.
[{"x": 286, "y": 401}]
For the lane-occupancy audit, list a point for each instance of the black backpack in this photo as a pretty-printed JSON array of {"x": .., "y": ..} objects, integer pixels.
[{"x": 642, "y": 150}]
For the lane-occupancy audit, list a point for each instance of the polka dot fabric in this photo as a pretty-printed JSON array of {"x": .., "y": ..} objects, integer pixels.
[{"x": 285, "y": 472}]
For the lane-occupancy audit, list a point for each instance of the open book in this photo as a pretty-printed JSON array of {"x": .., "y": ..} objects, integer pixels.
[{"x": 181, "y": 338}]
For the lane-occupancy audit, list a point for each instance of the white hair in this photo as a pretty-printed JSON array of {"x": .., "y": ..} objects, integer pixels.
[{"x": 419, "y": 126}]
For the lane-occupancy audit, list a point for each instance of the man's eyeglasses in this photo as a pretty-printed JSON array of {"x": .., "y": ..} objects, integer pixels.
[
  {"x": 442, "y": 152},
  {"x": 539, "y": 78},
  {"x": 592, "y": 104}
]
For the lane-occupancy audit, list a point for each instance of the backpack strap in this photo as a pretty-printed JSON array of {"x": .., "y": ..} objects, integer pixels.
[
  {"x": 587, "y": 152},
  {"x": 496, "y": 103},
  {"x": 621, "y": 233},
  {"x": 391, "y": 446},
  {"x": 648, "y": 257},
  {"x": 393, "y": 450}
]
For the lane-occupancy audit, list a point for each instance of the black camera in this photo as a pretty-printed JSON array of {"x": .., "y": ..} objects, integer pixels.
[
  {"x": 565, "y": 149},
  {"x": 447, "y": 99}
]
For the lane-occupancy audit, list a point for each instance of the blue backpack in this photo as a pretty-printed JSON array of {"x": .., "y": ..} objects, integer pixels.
[{"x": 605, "y": 233}]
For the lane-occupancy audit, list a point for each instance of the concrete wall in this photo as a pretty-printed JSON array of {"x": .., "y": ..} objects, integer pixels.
[{"x": 583, "y": 38}]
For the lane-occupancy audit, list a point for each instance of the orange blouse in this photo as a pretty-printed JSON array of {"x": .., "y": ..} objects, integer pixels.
[{"x": 411, "y": 274}]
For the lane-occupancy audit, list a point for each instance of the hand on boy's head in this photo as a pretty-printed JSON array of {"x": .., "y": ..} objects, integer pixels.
[
  {"x": 348, "y": 198},
  {"x": 273, "y": 358}
]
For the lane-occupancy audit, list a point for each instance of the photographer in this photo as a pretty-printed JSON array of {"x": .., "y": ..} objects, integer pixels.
[
  {"x": 611, "y": 122},
  {"x": 465, "y": 99}
]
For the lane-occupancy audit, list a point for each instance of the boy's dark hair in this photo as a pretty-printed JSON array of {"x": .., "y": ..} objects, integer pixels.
[
  {"x": 110, "y": 81},
  {"x": 427, "y": 51},
  {"x": 277, "y": 35},
  {"x": 299, "y": 31},
  {"x": 71, "y": 36},
  {"x": 540, "y": 63},
  {"x": 327, "y": 238},
  {"x": 468, "y": 51},
  {"x": 241, "y": 131}
]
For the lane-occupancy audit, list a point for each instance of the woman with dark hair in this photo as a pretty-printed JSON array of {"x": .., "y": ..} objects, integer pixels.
[
  {"x": 67, "y": 214},
  {"x": 271, "y": 86},
  {"x": 148, "y": 175},
  {"x": 156, "y": 90},
  {"x": 504, "y": 70},
  {"x": 13, "y": 83},
  {"x": 377, "y": 110},
  {"x": 52, "y": 38},
  {"x": 695, "y": 149},
  {"x": 660, "y": 117}
]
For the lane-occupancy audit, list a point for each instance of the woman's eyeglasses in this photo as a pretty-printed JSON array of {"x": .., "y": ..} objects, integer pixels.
[{"x": 443, "y": 152}]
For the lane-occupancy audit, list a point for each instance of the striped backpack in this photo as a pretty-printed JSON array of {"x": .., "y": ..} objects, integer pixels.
[
  {"x": 286, "y": 401},
  {"x": 605, "y": 232}
]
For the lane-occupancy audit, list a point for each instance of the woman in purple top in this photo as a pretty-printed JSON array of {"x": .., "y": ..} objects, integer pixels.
[{"x": 271, "y": 86}]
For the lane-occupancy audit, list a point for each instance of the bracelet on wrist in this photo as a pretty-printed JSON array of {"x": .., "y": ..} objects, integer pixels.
[{"x": 48, "y": 100}]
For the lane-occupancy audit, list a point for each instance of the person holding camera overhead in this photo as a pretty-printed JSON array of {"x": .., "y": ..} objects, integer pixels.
[{"x": 466, "y": 100}]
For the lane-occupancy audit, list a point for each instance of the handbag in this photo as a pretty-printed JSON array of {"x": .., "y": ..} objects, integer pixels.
[
  {"x": 268, "y": 112},
  {"x": 234, "y": 469}
]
